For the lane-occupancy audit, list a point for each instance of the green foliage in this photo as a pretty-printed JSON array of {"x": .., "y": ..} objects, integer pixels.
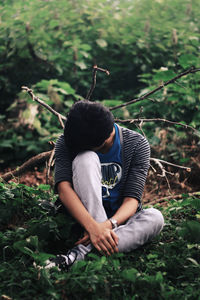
[
  {"x": 176, "y": 102},
  {"x": 51, "y": 39},
  {"x": 31, "y": 127},
  {"x": 52, "y": 45},
  {"x": 34, "y": 230}
]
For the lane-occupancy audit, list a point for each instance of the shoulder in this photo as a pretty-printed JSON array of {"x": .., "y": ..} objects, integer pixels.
[
  {"x": 60, "y": 143},
  {"x": 132, "y": 136},
  {"x": 62, "y": 150}
]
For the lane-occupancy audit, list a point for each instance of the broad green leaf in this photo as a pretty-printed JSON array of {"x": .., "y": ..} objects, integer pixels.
[
  {"x": 130, "y": 274},
  {"x": 188, "y": 60},
  {"x": 81, "y": 65},
  {"x": 54, "y": 23},
  {"x": 164, "y": 75},
  {"x": 102, "y": 43}
]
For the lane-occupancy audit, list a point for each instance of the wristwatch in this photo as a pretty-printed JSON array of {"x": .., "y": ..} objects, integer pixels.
[{"x": 114, "y": 223}]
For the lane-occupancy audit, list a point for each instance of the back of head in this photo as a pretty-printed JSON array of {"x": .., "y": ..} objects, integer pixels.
[{"x": 88, "y": 125}]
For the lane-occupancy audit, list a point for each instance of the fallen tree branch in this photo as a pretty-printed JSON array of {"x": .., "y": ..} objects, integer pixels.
[
  {"x": 135, "y": 121},
  {"x": 32, "y": 162},
  {"x": 175, "y": 197},
  {"x": 191, "y": 70}
]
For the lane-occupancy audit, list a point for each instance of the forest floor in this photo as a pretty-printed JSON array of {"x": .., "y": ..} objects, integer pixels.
[
  {"x": 166, "y": 268},
  {"x": 156, "y": 188},
  {"x": 31, "y": 232}
]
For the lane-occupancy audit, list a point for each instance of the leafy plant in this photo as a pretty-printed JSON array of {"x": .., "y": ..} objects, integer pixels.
[{"x": 166, "y": 267}]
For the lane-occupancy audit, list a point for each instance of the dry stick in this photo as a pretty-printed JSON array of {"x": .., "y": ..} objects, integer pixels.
[
  {"x": 175, "y": 197},
  {"x": 170, "y": 164},
  {"x": 161, "y": 167},
  {"x": 32, "y": 162},
  {"x": 133, "y": 121},
  {"x": 49, "y": 165},
  {"x": 94, "y": 77},
  {"x": 157, "y": 161},
  {"x": 160, "y": 162},
  {"x": 30, "y": 92},
  {"x": 60, "y": 118},
  {"x": 191, "y": 70}
]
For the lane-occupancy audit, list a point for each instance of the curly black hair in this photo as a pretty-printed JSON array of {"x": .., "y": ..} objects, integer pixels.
[{"x": 88, "y": 125}]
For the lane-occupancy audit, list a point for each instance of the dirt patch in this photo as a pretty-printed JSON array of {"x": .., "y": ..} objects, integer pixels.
[{"x": 156, "y": 187}]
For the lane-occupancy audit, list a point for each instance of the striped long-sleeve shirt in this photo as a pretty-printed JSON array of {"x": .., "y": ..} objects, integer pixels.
[{"x": 135, "y": 163}]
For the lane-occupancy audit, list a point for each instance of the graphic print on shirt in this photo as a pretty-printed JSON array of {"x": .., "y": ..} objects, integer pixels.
[{"x": 111, "y": 176}]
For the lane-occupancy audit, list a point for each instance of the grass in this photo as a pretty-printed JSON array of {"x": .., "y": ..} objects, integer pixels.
[{"x": 31, "y": 230}]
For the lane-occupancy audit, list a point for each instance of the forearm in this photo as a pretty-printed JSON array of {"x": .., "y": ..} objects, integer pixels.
[
  {"x": 100, "y": 234},
  {"x": 74, "y": 205},
  {"x": 126, "y": 210}
]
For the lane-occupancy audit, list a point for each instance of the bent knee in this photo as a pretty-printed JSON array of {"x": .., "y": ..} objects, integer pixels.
[
  {"x": 157, "y": 218},
  {"x": 85, "y": 159}
]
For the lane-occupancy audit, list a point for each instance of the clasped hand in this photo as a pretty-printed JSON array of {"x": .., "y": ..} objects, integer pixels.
[{"x": 102, "y": 237}]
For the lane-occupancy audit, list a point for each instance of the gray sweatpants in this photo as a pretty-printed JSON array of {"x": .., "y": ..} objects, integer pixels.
[{"x": 139, "y": 229}]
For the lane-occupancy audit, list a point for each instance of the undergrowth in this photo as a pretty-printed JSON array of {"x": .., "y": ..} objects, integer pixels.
[{"x": 32, "y": 229}]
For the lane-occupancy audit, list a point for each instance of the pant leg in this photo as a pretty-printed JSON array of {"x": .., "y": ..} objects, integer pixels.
[
  {"x": 87, "y": 177},
  {"x": 139, "y": 229}
]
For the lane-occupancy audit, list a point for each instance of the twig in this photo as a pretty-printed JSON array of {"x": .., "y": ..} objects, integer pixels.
[
  {"x": 160, "y": 162},
  {"x": 156, "y": 160},
  {"x": 32, "y": 162},
  {"x": 139, "y": 126},
  {"x": 191, "y": 70},
  {"x": 132, "y": 121},
  {"x": 30, "y": 92},
  {"x": 49, "y": 165},
  {"x": 60, "y": 120},
  {"x": 94, "y": 77}
]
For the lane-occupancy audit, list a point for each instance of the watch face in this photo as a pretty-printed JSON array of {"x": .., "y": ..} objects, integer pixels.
[{"x": 114, "y": 223}]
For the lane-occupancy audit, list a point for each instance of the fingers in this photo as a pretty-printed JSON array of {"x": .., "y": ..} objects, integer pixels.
[
  {"x": 85, "y": 241},
  {"x": 115, "y": 237},
  {"x": 108, "y": 245}
]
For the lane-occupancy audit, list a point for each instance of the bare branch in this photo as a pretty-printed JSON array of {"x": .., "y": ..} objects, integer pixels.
[
  {"x": 191, "y": 70},
  {"x": 132, "y": 121},
  {"x": 30, "y": 92},
  {"x": 32, "y": 162},
  {"x": 94, "y": 77},
  {"x": 175, "y": 197},
  {"x": 95, "y": 69},
  {"x": 164, "y": 172},
  {"x": 49, "y": 165},
  {"x": 61, "y": 122},
  {"x": 156, "y": 160}
]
